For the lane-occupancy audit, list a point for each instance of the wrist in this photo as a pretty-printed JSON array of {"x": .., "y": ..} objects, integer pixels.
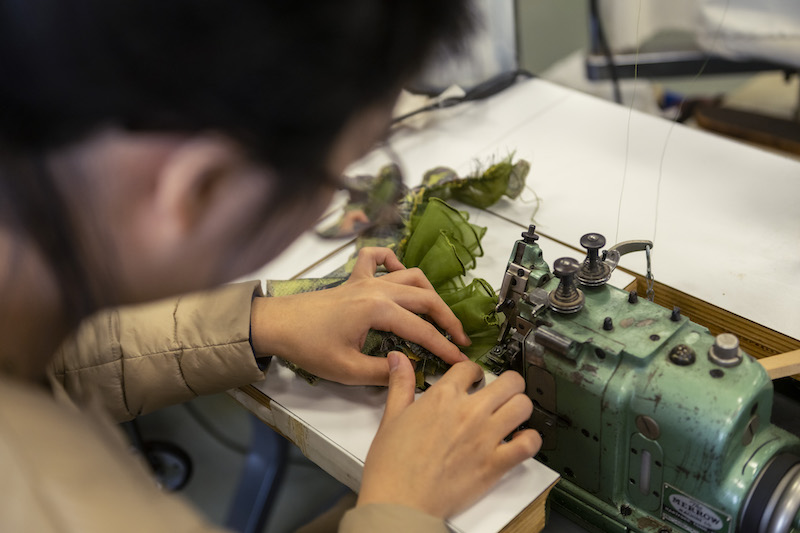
[
  {"x": 257, "y": 322},
  {"x": 268, "y": 321}
]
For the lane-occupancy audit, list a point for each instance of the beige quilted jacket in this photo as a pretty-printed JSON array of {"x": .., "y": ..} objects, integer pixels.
[{"x": 65, "y": 466}]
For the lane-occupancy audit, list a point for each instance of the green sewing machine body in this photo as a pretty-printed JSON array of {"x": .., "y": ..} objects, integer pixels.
[{"x": 649, "y": 432}]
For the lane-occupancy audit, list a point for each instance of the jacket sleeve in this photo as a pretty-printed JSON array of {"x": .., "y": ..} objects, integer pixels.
[
  {"x": 390, "y": 518},
  {"x": 144, "y": 357}
]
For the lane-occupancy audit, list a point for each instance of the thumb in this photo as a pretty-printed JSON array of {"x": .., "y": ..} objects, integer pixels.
[{"x": 402, "y": 384}]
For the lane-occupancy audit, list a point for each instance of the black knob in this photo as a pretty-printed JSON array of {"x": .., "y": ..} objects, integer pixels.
[
  {"x": 566, "y": 298},
  {"x": 682, "y": 355},
  {"x": 565, "y": 268},
  {"x": 633, "y": 297},
  {"x": 593, "y": 242},
  {"x": 676, "y": 314},
  {"x": 529, "y": 236},
  {"x": 594, "y": 271},
  {"x": 608, "y": 323}
]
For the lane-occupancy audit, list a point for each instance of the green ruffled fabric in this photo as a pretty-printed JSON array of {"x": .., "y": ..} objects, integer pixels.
[
  {"x": 437, "y": 238},
  {"x": 475, "y": 306},
  {"x": 444, "y": 245},
  {"x": 482, "y": 189},
  {"x": 442, "y": 242}
]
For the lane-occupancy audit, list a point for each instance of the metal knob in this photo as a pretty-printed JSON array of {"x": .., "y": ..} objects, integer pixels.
[
  {"x": 594, "y": 272},
  {"x": 725, "y": 351},
  {"x": 566, "y": 298},
  {"x": 529, "y": 236}
]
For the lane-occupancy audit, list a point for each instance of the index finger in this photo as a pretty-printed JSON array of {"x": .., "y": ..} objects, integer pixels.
[
  {"x": 412, "y": 327},
  {"x": 371, "y": 257},
  {"x": 462, "y": 375},
  {"x": 428, "y": 302},
  {"x": 501, "y": 390}
]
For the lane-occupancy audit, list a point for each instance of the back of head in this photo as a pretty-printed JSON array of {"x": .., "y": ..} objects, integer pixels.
[{"x": 281, "y": 76}]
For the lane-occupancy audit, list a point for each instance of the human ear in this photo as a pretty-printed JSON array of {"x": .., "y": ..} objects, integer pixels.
[{"x": 190, "y": 180}]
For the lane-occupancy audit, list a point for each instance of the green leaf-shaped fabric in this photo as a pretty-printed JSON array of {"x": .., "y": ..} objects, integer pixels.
[
  {"x": 474, "y": 305},
  {"x": 482, "y": 189},
  {"x": 442, "y": 242}
]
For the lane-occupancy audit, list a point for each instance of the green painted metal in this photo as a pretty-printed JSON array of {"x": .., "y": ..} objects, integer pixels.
[{"x": 703, "y": 432}]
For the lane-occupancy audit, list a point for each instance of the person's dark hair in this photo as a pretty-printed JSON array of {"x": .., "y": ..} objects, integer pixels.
[{"x": 282, "y": 76}]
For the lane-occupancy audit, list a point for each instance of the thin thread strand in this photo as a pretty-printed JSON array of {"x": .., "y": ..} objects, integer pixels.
[
  {"x": 628, "y": 127},
  {"x": 675, "y": 120}
]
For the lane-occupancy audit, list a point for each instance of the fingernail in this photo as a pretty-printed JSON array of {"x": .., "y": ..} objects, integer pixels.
[
  {"x": 464, "y": 357},
  {"x": 394, "y": 361}
]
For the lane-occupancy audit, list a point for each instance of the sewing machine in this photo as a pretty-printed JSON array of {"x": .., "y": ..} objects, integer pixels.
[{"x": 655, "y": 425}]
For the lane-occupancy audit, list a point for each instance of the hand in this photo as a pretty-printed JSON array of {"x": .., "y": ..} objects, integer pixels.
[
  {"x": 323, "y": 331},
  {"x": 442, "y": 452}
]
